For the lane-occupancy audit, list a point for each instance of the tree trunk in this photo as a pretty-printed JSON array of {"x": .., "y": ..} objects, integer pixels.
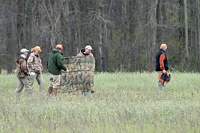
[
  {"x": 123, "y": 37},
  {"x": 20, "y": 23},
  {"x": 198, "y": 29},
  {"x": 101, "y": 59},
  {"x": 154, "y": 34},
  {"x": 186, "y": 37}
]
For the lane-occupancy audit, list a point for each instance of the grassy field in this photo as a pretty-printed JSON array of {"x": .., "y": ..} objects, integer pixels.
[{"x": 123, "y": 102}]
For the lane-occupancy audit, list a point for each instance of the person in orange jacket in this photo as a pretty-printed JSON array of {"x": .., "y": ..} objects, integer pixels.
[{"x": 161, "y": 62}]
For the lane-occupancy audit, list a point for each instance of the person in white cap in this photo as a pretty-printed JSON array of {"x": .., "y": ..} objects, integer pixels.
[
  {"x": 23, "y": 74},
  {"x": 88, "y": 75},
  {"x": 86, "y": 51}
]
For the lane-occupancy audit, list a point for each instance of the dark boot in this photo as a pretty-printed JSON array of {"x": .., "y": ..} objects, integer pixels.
[
  {"x": 92, "y": 90},
  {"x": 54, "y": 91},
  {"x": 50, "y": 90}
]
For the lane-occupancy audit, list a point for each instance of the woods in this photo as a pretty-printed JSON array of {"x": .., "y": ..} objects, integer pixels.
[{"x": 125, "y": 34}]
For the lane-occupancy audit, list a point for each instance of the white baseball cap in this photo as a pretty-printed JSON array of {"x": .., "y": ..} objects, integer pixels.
[
  {"x": 24, "y": 50},
  {"x": 88, "y": 47}
]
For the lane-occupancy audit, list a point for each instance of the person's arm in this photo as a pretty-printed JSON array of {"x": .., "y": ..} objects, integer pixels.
[
  {"x": 24, "y": 67},
  {"x": 30, "y": 60},
  {"x": 60, "y": 62},
  {"x": 161, "y": 62},
  {"x": 80, "y": 55}
]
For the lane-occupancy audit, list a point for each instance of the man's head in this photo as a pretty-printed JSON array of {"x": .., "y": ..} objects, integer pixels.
[
  {"x": 59, "y": 47},
  {"x": 88, "y": 49},
  {"x": 24, "y": 51},
  {"x": 163, "y": 46}
]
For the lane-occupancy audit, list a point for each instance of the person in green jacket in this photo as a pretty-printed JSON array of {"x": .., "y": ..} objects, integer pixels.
[{"x": 55, "y": 66}]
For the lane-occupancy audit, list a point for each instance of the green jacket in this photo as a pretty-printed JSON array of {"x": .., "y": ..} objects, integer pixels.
[{"x": 55, "y": 62}]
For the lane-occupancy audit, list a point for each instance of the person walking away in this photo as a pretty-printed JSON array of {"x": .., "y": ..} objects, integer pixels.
[
  {"x": 22, "y": 74},
  {"x": 55, "y": 66},
  {"x": 36, "y": 67},
  {"x": 161, "y": 63},
  {"x": 87, "y": 75}
]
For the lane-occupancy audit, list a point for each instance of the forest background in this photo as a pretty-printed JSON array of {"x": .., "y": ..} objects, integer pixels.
[{"x": 125, "y": 34}]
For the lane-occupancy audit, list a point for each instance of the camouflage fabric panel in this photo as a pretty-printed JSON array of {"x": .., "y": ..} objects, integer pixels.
[
  {"x": 87, "y": 80},
  {"x": 81, "y": 73},
  {"x": 86, "y": 63},
  {"x": 80, "y": 81},
  {"x": 71, "y": 63},
  {"x": 72, "y": 81}
]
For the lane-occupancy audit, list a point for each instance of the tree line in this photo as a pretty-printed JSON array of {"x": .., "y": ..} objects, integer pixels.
[{"x": 125, "y": 34}]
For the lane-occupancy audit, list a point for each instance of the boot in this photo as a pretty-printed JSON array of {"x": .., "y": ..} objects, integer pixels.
[
  {"x": 50, "y": 90},
  {"x": 54, "y": 91},
  {"x": 92, "y": 90}
]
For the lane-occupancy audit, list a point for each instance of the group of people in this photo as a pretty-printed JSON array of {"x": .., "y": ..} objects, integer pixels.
[{"x": 30, "y": 68}]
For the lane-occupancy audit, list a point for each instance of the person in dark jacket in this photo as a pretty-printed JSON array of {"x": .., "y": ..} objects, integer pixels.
[
  {"x": 55, "y": 66},
  {"x": 161, "y": 62}
]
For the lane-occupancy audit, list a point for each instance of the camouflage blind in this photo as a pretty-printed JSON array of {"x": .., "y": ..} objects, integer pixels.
[{"x": 81, "y": 73}]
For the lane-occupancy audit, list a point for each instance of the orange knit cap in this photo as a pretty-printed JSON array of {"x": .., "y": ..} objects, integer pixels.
[
  {"x": 162, "y": 46},
  {"x": 59, "y": 46},
  {"x": 37, "y": 48}
]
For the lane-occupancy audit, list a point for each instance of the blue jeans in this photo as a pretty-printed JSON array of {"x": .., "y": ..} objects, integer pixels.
[{"x": 85, "y": 93}]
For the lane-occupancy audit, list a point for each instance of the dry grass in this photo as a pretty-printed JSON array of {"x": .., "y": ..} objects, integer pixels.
[{"x": 123, "y": 102}]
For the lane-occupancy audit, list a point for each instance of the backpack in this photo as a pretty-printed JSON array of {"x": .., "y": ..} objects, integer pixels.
[{"x": 164, "y": 77}]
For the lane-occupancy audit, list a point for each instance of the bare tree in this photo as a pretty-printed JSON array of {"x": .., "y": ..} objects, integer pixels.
[
  {"x": 123, "y": 38},
  {"x": 186, "y": 36},
  {"x": 154, "y": 27},
  {"x": 125, "y": 34}
]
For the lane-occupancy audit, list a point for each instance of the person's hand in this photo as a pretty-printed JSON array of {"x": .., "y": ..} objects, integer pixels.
[
  {"x": 164, "y": 71},
  {"x": 67, "y": 71}
]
